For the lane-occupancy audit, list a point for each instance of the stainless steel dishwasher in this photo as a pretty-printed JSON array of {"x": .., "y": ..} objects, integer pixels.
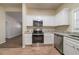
[{"x": 58, "y": 42}]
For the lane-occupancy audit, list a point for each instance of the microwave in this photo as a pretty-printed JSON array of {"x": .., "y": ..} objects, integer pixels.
[{"x": 37, "y": 23}]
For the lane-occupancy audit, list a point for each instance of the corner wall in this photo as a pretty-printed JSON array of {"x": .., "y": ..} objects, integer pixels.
[
  {"x": 71, "y": 6},
  {"x": 40, "y": 12}
]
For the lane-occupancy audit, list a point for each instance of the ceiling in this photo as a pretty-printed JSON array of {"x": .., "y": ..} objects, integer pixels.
[
  {"x": 34, "y": 5},
  {"x": 11, "y": 4},
  {"x": 43, "y": 5}
]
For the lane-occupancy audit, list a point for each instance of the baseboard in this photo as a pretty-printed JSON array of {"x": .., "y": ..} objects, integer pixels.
[
  {"x": 2, "y": 42},
  {"x": 13, "y": 36}
]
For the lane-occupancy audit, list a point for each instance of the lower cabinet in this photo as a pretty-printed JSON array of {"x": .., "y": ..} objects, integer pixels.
[
  {"x": 48, "y": 38},
  {"x": 71, "y": 46},
  {"x": 28, "y": 39}
]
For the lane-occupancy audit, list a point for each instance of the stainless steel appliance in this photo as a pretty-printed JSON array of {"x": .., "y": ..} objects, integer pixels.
[
  {"x": 37, "y": 35},
  {"x": 37, "y": 23},
  {"x": 58, "y": 42}
]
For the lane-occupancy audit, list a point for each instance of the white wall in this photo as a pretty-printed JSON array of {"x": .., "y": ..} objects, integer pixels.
[
  {"x": 40, "y": 12},
  {"x": 71, "y": 6},
  {"x": 2, "y": 19},
  {"x": 13, "y": 24},
  {"x": 2, "y": 25}
]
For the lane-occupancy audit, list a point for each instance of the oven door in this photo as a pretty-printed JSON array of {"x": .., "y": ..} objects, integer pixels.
[{"x": 37, "y": 39}]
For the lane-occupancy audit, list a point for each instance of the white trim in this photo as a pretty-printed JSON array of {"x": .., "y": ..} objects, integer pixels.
[{"x": 2, "y": 42}]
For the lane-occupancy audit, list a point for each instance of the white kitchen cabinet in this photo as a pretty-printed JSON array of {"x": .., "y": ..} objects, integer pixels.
[
  {"x": 48, "y": 21},
  {"x": 62, "y": 17},
  {"x": 48, "y": 38},
  {"x": 27, "y": 39},
  {"x": 71, "y": 46},
  {"x": 29, "y": 20},
  {"x": 77, "y": 49}
]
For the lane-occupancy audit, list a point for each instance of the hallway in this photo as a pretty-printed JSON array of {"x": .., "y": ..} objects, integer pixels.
[{"x": 15, "y": 42}]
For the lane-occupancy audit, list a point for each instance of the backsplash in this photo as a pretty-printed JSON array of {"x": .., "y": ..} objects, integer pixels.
[
  {"x": 61, "y": 29},
  {"x": 45, "y": 29},
  {"x": 49, "y": 29}
]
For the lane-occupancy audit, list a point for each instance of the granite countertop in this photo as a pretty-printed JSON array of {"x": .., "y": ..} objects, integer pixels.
[
  {"x": 30, "y": 32},
  {"x": 66, "y": 34},
  {"x": 61, "y": 33}
]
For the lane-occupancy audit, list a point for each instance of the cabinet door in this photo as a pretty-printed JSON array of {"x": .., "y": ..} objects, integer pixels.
[
  {"x": 48, "y": 21},
  {"x": 52, "y": 38},
  {"x": 62, "y": 17},
  {"x": 69, "y": 47},
  {"x": 28, "y": 39},
  {"x": 77, "y": 49},
  {"x": 55, "y": 21},
  {"x": 29, "y": 20},
  {"x": 48, "y": 38}
]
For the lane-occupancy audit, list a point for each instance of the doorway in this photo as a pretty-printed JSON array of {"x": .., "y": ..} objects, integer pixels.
[{"x": 13, "y": 30}]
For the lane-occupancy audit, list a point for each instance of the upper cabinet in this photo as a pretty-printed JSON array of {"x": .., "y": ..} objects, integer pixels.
[
  {"x": 30, "y": 20},
  {"x": 48, "y": 21},
  {"x": 62, "y": 17}
]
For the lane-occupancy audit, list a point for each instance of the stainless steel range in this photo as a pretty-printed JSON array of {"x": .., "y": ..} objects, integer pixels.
[{"x": 37, "y": 35}]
